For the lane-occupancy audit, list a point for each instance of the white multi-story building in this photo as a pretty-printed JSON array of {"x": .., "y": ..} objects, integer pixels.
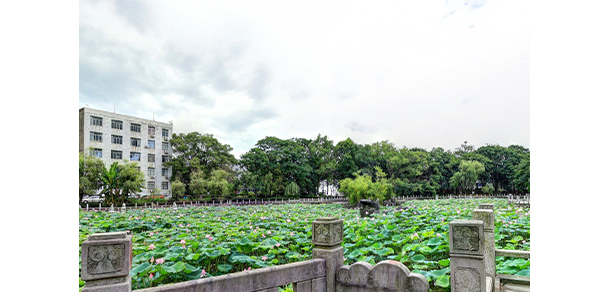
[{"x": 115, "y": 137}]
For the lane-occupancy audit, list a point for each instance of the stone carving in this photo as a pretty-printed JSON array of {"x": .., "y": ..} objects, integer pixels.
[
  {"x": 322, "y": 233},
  {"x": 327, "y": 231},
  {"x": 123, "y": 208},
  {"x": 111, "y": 208},
  {"x": 387, "y": 275},
  {"x": 467, "y": 280},
  {"x": 466, "y": 238},
  {"x": 368, "y": 208},
  {"x": 174, "y": 207},
  {"x": 337, "y": 232},
  {"x": 105, "y": 258}
]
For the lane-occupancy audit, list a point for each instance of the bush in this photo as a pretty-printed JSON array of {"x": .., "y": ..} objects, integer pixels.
[
  {"x": 292, "y": 190},
  {"x": 363, "y": 187}
]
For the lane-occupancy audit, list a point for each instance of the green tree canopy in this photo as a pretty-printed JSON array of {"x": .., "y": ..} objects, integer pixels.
[
  {"x": 198, "y": 152},
  {"x": 118, "y": 181},
  {"x": 89, "y": 173},
  {"x": 466, "y": 178}
]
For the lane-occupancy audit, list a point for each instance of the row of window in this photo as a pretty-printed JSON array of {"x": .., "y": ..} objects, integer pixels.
[
  {"x": 133, "y": 156},
  {"x": 116, "y": 139},
  {"x": 116, "y": 124},
  {"x": 151, "y": 185},
  {"x": 164, "y": 171}
]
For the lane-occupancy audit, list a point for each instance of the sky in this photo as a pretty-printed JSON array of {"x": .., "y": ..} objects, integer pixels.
[{"x": 419, "y": 74}]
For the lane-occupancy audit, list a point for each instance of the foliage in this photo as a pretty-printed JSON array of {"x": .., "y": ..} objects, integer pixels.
[
  {"x": 212, "y": 241},
  {"x": 522, "y": 174},
  {"x": 217, "y": 185},
  {"x": 488, "y": 189},
  {"x": 198, "y": 152},
  {"x": 363, "y": 187},
  {"x": 89, "y": 173},
  {"x": 178, "y": 189},
  {"x": 292, "y": 190},
  {"x": 119, "y": 181},
  {"x": 467, "y": 176},
  {"x": 197, "y": 186}
]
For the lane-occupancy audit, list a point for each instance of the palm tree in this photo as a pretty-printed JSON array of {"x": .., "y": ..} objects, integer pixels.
[{"x": 112, "y": 183}]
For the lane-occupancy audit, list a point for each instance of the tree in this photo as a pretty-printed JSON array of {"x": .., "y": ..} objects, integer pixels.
[
  {"x": 195, "y": 151},
  {"x": 89, "y": 173},
  {"x": 320, "y": 157},
  {"x": 275, "y": 162},
  {"x": 357, "y": 188},
  {"x": 444, "y": 165},
  {"x": 119, "y": 181},
  {"x": 292, "y": 190},
  {"x": 178, "y": 189},
  {"x": 197, "y": 184},
  {"x": 343, "y": 155},
  {"x": 363, "y": 187},
  {"x": 522, "y": 174},
  {"x": 217, "y": 185},
  {"x": 488, "y": 189},
  {"x": 468, "y": 175}
]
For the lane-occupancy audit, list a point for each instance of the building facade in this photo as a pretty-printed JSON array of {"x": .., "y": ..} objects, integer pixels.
[{"x": 115, "y": 137}]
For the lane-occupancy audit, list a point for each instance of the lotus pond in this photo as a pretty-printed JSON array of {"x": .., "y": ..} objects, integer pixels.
[{"x": 174, "y": 246}]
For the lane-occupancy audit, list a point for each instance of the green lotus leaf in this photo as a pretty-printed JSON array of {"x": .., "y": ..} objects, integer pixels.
[{"x": 442, "y": 281}]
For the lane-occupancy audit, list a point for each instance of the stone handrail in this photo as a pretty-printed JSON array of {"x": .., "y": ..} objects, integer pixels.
[
  {"x": 311, "y": 273},
  {"x": 473, "y": 253},
  {"x": 239, "y": 202},
  {"x": 524, "y": 254}
]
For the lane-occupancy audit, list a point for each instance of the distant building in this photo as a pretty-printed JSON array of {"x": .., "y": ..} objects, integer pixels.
[
  {"x": 328, "y": 189},
  {"x": 115, "y": 137}
]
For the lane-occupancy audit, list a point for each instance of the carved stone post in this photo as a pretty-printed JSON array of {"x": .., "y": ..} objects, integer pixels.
[
  {"x": 106, "y": 262},
  {"x": 327, "y": 233},
  {"x": 487, "y": 216},
  {"x": 466, "y": 249}
]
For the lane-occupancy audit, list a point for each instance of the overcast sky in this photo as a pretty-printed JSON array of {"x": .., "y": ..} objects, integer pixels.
[{"x": 420, "y": 74}]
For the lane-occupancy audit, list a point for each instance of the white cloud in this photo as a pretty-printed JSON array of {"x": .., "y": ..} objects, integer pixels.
[{"x": 427, "y": 75}]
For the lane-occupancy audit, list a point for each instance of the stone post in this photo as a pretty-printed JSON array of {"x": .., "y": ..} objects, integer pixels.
[
  {"x": 327, "y": 233},
  {"x": 486, "y": 214},
  {"x": 466, "y": 250},
  {"x": 106, "y": 262}
]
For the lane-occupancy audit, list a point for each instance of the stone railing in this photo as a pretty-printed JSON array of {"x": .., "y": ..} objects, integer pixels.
[
  {"x": 106, "y": 262},
  {"x": 238, "y": 202},
  {"x": 473, "y": 255}
]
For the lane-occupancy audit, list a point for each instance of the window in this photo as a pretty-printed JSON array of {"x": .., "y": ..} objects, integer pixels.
[
  {"x": 164, "y": 146},
  {"x": 151, "y": 130},
  {"x": 164, "y": 132},
  {"x": 165, "y": 185},
  {"x": 115, "y": 154},
  {"x": 164, "y": 158},
  {"x": 116, "y": 139},
  {"x": 151, "y": 171},
  {"x": 151, "y": 158},
  {"x": 151, "y": 144},
  {"x": 96, "y": 152},
  {"x": 150, "y": 185},
  {"x": 134, "y": 156},
  {"x": 135, "y": 142},
  {"x": 95, "y": 136},
  {"x": 135, "y": 127},
  {"x": 117, "y": 124},
  {"x": 96, "y": 121},
  {"x": 165, "y": 171}
]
